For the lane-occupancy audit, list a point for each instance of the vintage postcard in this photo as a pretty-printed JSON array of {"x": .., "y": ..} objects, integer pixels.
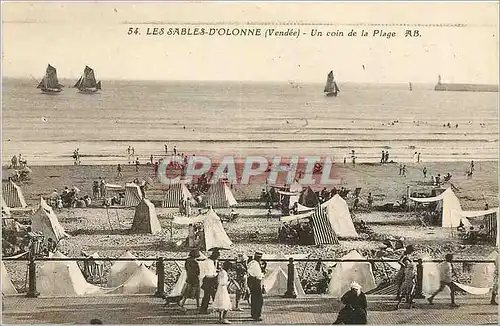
[{"x": 250, "y": 162}]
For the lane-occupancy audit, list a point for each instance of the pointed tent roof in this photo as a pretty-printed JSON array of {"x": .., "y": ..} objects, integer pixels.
[
  {"x": 346, "y": 272},
  {"x": 276, "y": 283},
  {"x": 175, "y": 193},
  {"x": 308, "y": 198},
  {"x": 142, "y": 281},
  {"x": 45, "y": 221},
  {"x": 145, "y": 219},
  {"x": 7, "y": 286},
  {"x": 215, "y": 235},
  {"x": 121, "y": 271},
  {"x": 63, "y": 278},
  {"x": 13, "y": 195},
  {"x": 219, "y": 195},
  {"x": 449, "y": 204}
]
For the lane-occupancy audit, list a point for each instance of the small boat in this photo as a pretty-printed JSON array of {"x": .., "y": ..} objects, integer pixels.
[
  {"x": 50, "y": 83},
  {"x": 87, "y": 83},
  {"x": 331, "y": 88}
]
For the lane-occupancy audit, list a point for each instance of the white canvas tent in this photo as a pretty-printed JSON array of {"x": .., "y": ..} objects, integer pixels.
[
  {"x": 483, "y": 274},
  {"x": 121, "y": 271},
  {"x": 431, "y": 278},
  {"x": 7, "y": 286},
  {"x": 5, "y": 209},
  {"x": 145, "y": 219},
  {"x": 63, "y": 278},
  {"x": 133, "y": 195},
  {"x": 142, "y": 281},
  {"x": 13, "y": 195},
  {"x": 220, "y": 196},
  {"x": 344, "y": 273},
  {"x": 45, "y": 221},
  {"x": 175, "y": 193},
  {"x": 276, "y": 278},
  {"x": 215, "y": 235},
  {"x": 338, "y": 214},
  {"x": 448, "y": 202}
]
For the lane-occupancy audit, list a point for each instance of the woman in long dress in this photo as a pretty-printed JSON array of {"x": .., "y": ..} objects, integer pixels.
[
  {"x": 222, "y": 300},
  {"x": 409, "y": 283}
]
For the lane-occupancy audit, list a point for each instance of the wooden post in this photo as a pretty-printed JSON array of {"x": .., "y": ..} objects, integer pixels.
[
  {"x": 420, "y": 275},
  {"x": 32, "y": 293},
  {"x": 290, "y": 288},
  {"x": 160, "y": 272}
]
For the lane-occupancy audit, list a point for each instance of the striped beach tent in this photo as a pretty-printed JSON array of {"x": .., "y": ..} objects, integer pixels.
[
  {"x": 220, "y": 196},
  {"x": 133, "y": 195},
  {"x": 175, "y": 193},
  {"x": 13, "y": 195},
  {"x": 322, "y": 229}
]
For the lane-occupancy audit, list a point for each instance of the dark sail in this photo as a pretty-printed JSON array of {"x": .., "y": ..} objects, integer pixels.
[
  {"x": 49, "y": 81},
  {"x": 331, "y": 87},
  {"x": 87, "y": 82}
]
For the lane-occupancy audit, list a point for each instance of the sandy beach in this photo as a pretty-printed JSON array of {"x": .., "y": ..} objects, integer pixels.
[{"x": 107, "y": 231}]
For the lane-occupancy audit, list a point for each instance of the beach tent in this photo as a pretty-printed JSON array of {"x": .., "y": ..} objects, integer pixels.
[
  {"x": 145, "y": 219},
  {"x": 5, "y": 209},
  {"x": 219, "y": 195},
  {"x": 276, "y": 278},
  {"x": 322, "y": 228},
  {"x": 45, "y": 221},
  {"x": 7, "y": 286},
  {"x": 489, "y": 218},
  {"x": 431, "y": 278},
  {"x": 121, "y": 271},
  {"x": 63, "y": 278},
  {"x": 340, "y": 217},
  {"x": 215, "y": 235},
  {"x": 179, "y": 285},
  {"x": 308, "y": 198},
  {"x": 142, "y": 281},
  {"x": 338, "y": 214},
  {"x": 344, "y": 273},
  {"x": 13, "y": 195},
  {"x": 448, "y": 202},
  {"x": 133, "y": 195},
  {"x": 175, "y": 193},
  {"x": 295, "y": 190},
  {"x": 483, "y": 274}
]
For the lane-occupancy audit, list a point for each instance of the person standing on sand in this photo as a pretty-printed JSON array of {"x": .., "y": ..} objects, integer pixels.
[
  {"x": 382, "y": 158},
  {"x": 128, "y": 153},
  {"x": 137, "y": 165},
  {"x": 401, "y": 169},
  {"x": 446, "y": 271},
  {"x": 133, "y": 151},
  {"x": 119, "y": 171},
  {"x": 166, "y": 149},
  {"x": 418, "y": 158},
  {"x": 424, "y": 171},
  {"x": 404, "y": 170},
  {"x": 151, "y": 159},
  {"x": 386, "y": 160}
]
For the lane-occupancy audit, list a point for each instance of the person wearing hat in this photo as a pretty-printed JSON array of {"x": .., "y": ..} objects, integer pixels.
[
  {"x": 354, "y": 311},
  {"x": 209, "y": 284},
  {"x": 255, "y": 277},
  {"x": 403, "y": 261},
  {"x": 191, "y": 289},
  {"x": 242, "y": 290}
]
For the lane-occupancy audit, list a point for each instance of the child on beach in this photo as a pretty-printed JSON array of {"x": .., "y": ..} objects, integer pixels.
[{"x": 222, "y": 300}]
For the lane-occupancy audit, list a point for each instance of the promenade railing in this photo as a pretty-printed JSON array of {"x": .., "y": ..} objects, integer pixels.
[{"x": 159, "y": 263}]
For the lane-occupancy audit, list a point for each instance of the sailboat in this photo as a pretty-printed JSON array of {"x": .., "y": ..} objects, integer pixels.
[
  {"x": 331, "y": 88},
  {"x": 50, "y": 83},
  {"x": 87, "y": 83}
]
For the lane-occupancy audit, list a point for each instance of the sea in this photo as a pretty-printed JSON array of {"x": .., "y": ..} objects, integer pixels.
[{"x": 246, "y": 118}]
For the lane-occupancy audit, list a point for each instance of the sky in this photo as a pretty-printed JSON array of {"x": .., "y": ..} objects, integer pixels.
[{"x": 72, "y": 35}]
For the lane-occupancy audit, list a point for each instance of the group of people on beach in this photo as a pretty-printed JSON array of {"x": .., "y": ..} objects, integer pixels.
[{"x": 244, "y": 278}]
